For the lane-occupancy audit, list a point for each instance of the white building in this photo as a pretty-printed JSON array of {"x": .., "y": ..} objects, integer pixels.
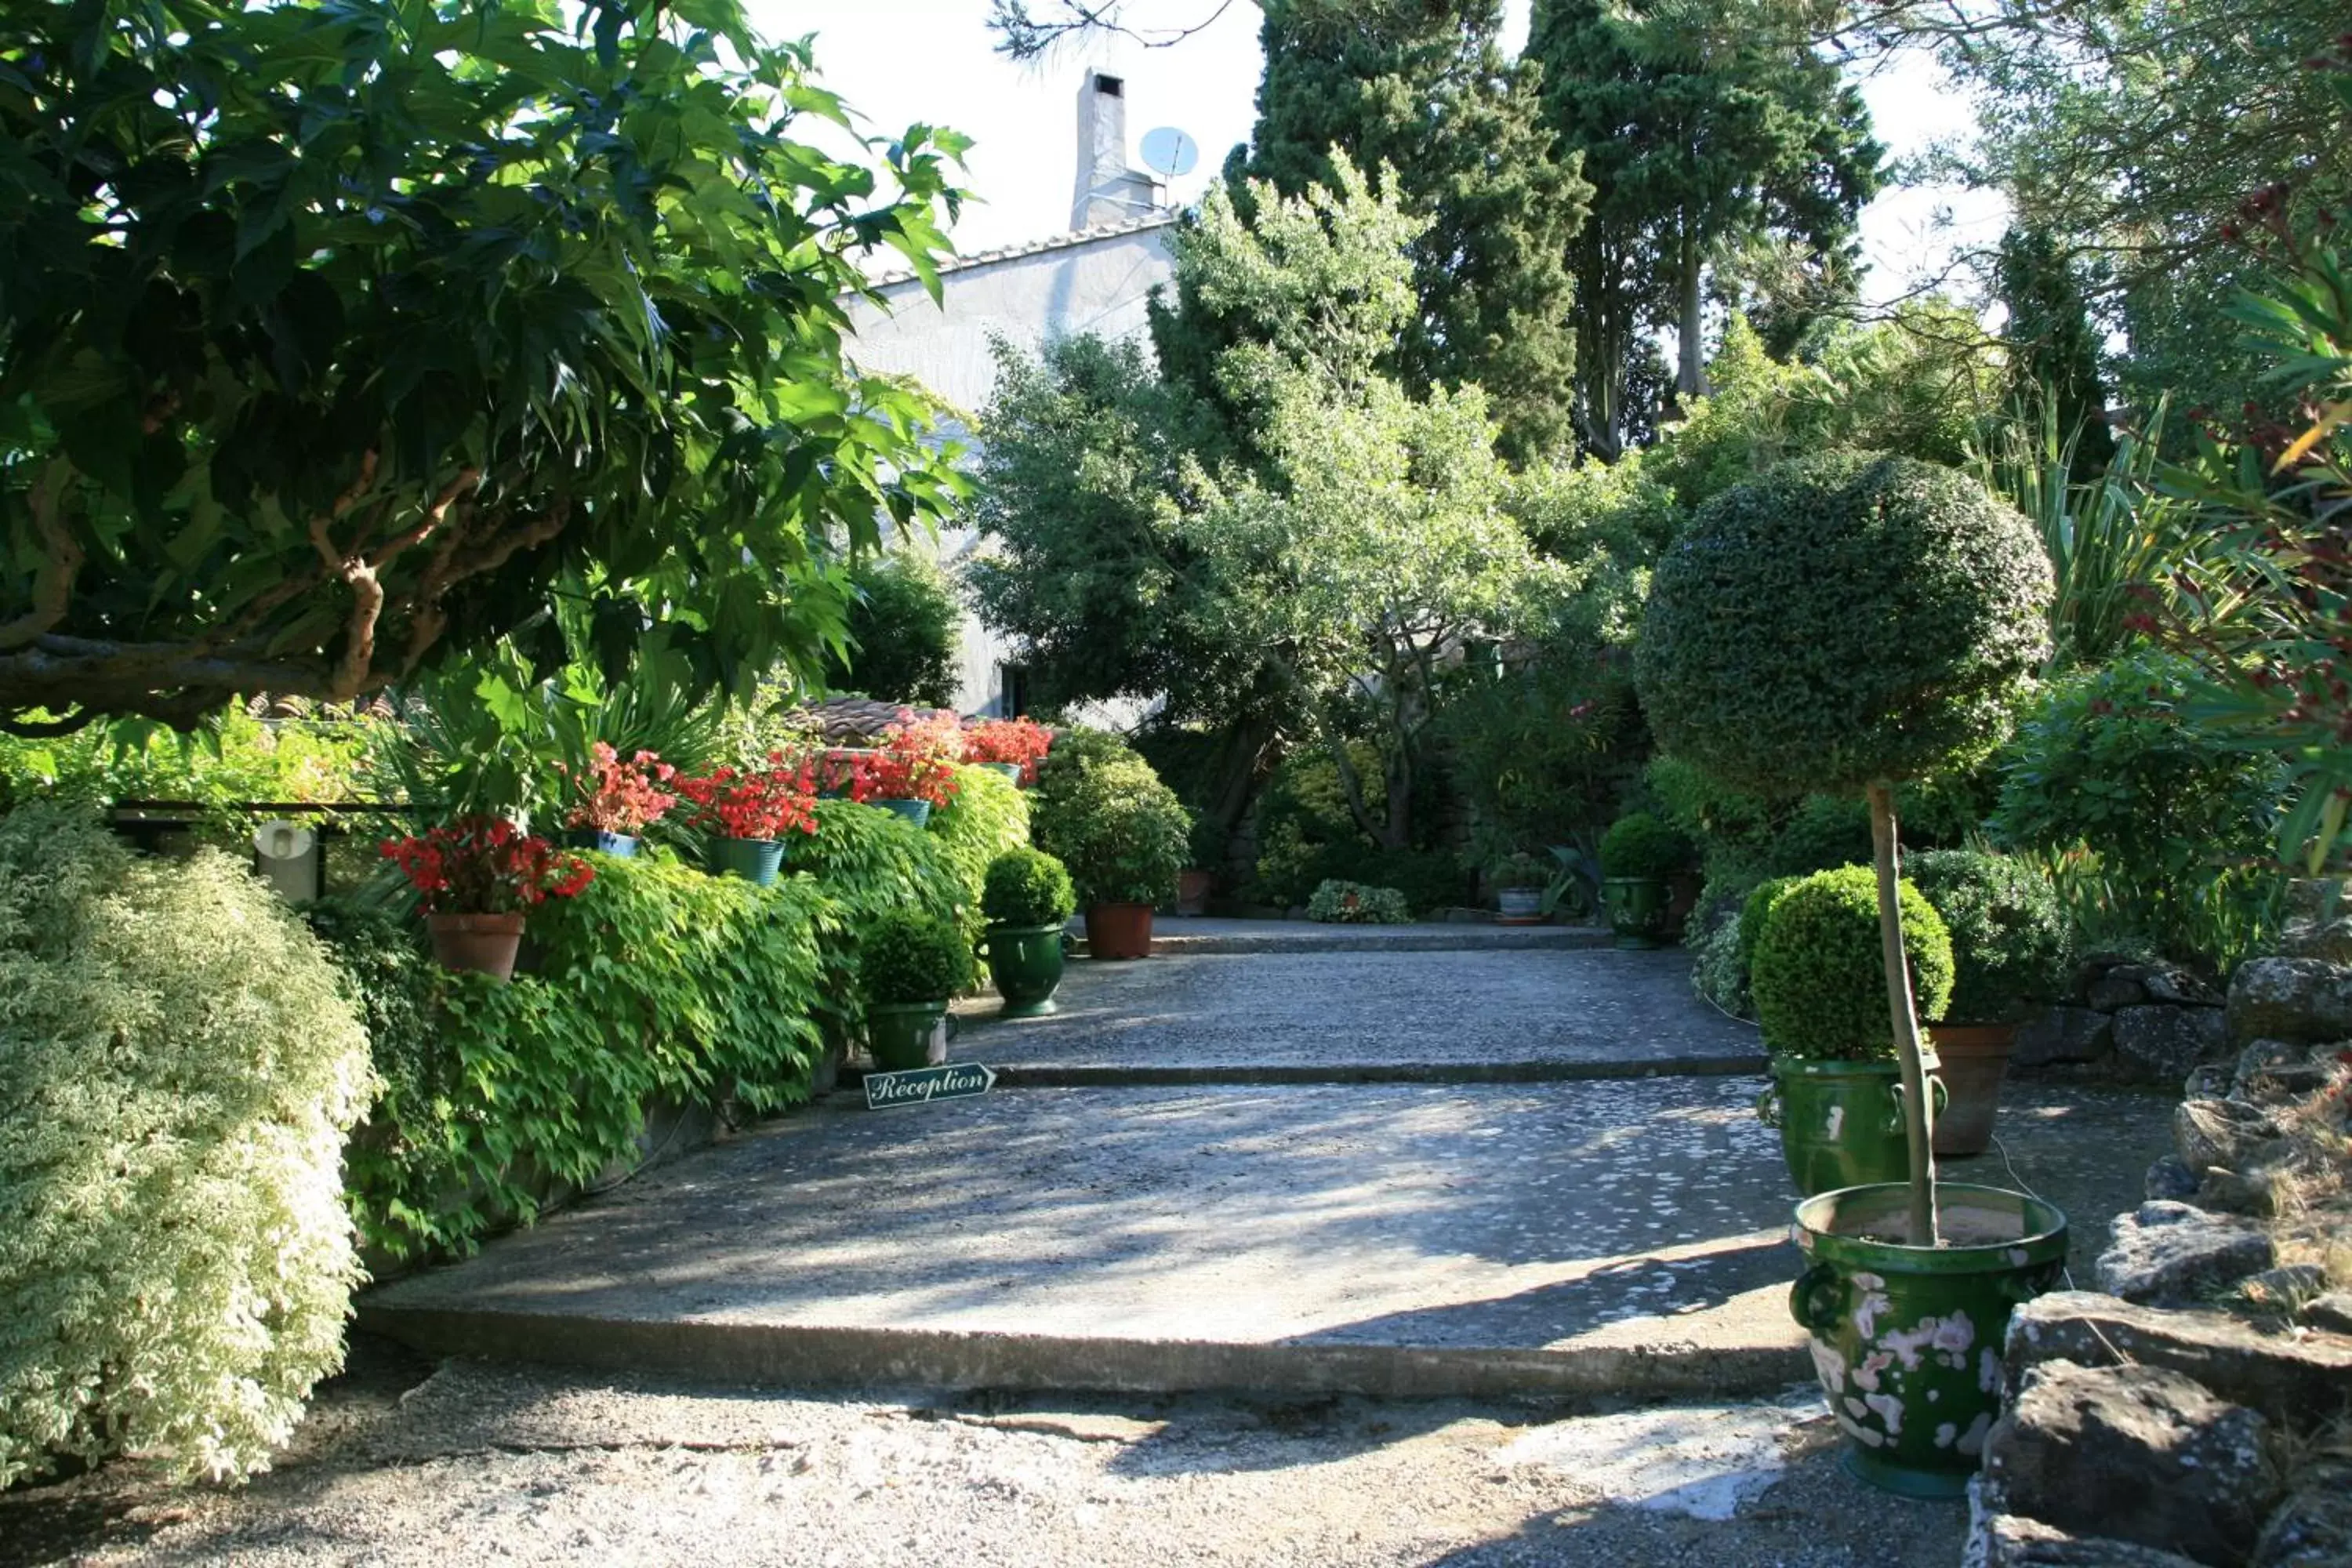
[{"x": 1096, "y": 278}]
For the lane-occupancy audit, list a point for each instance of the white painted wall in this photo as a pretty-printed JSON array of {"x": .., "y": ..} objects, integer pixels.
[{"x": 1099, "y": 282}]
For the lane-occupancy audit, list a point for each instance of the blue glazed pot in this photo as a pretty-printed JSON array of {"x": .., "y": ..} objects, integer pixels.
[
  {"x": 620, "y": 846},
  {"x": 918, "y": 812},
  {"x": 756, "y": 860}
]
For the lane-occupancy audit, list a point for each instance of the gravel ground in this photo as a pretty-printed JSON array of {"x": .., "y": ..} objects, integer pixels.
[{"x": 405, "y": 1464}]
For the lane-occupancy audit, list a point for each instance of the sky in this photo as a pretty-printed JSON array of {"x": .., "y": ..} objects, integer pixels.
[{"x": 901, "y": 62}]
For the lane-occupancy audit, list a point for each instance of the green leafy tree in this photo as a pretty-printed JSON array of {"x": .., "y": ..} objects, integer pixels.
[
  {"x": 2053, "y": 351},
  {"x": 1694, "y": 142},
  {"x": 1421, "y": 88},
  {"x": 330, "y": 335},
  {"x": 905, "y": 633}
]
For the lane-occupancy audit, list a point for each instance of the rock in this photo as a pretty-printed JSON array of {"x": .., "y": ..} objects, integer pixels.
[
  {"x": 2276, "y": 1071},
  {"x": 2009, "y": 1542},
  {"x": 2142, "y": 1454},
  {"x": 2225, "y": 1191},
  {"x": 2330, "y": 1313},
  {"x": 2160, "y": 1044},
  {"x": 2210, "y": 1133},
  {"x": 2300, "y": 1000},
  {"x": 2114, "y": 990},
  {"x": 2300, "y": 1383},
  {"x": 2211, "y": 1081},
  {"x": 2170, "y": 1253},
  {"x": 2168, "y": 1178},
  {"x": 2165, "y": 983},
  {"x": 2313, "y": 1529},
  {"x": 2063, "y": 1035},
  {"x": 2280, "y": 1290}
]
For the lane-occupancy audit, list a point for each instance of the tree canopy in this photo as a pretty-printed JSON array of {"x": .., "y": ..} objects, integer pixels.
[{"x": 332, "y": 337}]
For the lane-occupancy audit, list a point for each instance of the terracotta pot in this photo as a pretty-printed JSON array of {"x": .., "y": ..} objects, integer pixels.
[
  {"x": 1975, "y": 1058},
  {"x": 477, "y": 945},
  {"x": 1193, "y": 892},
  {"x": 1118, "y": 931}
]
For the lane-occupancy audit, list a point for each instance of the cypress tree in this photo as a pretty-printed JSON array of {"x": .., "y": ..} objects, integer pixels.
[{"x": 2053, "y": 351}]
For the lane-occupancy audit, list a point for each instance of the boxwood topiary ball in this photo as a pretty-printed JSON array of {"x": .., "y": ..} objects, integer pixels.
[
  {"x": 1639, "y": 844},
  {"x": 2011, "y": 950},
  {"x": 1028, "y": 888},
  {"x": 1818, "y": 973},
  {"x": 1843, "y": 619}
]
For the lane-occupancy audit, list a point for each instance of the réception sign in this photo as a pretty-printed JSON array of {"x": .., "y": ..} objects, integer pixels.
[{"x": 920, "y": 1086}]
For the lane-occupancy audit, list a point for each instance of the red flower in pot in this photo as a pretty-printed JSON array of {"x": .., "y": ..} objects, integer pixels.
[{"x": 476, "y": 879}]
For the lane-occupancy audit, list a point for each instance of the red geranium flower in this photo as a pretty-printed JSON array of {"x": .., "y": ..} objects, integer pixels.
[
  {"x": 759, "y": 803},
  {"x": 485, "y": 866}
]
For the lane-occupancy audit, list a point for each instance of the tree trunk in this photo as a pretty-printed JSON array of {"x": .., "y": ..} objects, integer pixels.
[
  {"x": 1398, "y": 778},
  {"x": 1917, "y": 1113},
  {"x": 1690, "y": 381}
]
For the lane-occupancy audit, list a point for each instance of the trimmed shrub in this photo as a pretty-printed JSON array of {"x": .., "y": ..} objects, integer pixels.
[
  {"x": 1818, "y": 974},
  {"x": 1028, "y": 888},
  {"x": 1842, "y": 619},
  {"x": 179, "y": 1064},
  {"x": 1352, "y": 903},
  {"x": 2011, "y": 947},
  {"x": 1639, "y": 844},
  {"x": 1122, "y": 833},
  {"x": 909, "y": 956},
  {"x": 1753, "y": 914}
]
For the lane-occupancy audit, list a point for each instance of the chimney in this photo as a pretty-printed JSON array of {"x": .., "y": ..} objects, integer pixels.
[{"x": 1107, "y": 190}]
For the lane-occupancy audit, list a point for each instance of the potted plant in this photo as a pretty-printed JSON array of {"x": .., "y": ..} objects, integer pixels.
[
  {"x": 2011, "y": 955},
  {"x": 1028, "y": 898},
  {"x": 1195, "y": 881},
  {"x": 745, "y": 812},
  {"x": 1843, "y": 623},
  {"x": 1520, "y": 881},
  {"x": 913, "y": 772},
  {"x": 475, "y": 879},
  {"x": 1014, "y": 747},
  {"x": 613, "y": 802},
  {"x": 1638, "y": 854},
  {"x": 1837, "y": 1087},
  {"x": 910, "y": 965},
  {"x": 1124, "y": 836}
]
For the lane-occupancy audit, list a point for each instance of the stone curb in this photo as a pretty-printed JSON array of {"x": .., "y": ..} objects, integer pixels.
[
  {"x": 1166, "y": 944},
  {"x": 791, "y": 1355},
  {"x": 1032, "y": 1075}
]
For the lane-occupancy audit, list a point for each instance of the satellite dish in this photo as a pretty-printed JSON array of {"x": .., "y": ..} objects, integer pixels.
[{"x": 1170, "y": 152}]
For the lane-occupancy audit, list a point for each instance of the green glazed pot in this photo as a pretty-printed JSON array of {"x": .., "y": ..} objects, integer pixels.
[
  {"x": 1027, "y": 964},
  {"x": 918, "y": 812},
  {"x": 1637, "y": 910},
  {"x": 1010, "y": 770},
  {"x": 1841, "y": 1123},
  {"x": 900, "y": 1033},
  {"x": 1907, "y": 1340},
  {"x": 756, "y": 860}
]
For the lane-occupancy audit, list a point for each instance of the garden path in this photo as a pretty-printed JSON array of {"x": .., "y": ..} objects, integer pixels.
[{"x": 1622, "y": 1234}]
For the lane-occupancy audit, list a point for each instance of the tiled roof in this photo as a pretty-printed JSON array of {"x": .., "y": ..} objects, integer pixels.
[{"x": 898, "y": 275}]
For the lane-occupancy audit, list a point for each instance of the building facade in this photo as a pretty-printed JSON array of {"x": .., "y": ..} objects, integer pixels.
[{"x": 1098, "y": 276}]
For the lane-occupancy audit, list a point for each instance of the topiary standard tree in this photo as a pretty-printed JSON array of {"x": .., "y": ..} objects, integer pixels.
[{"x": 1846, "y": 621}]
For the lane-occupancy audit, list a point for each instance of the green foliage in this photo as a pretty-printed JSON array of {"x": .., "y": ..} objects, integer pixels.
[
  {"x": 2054, "y": 349},
  {"x": 1122, "y": 833},
  {"x": 910, "y": 956},
  {"x": 2179, "y": 820},
  {"x": 1754, "y": 912},
  {"x": 383, "y": 318},
  {"x": 2116, "y": 545},
  {"x": 1844, "y": 620},
  {"x": 656, "y": 984},
  {"x": 1540, "y": 753},
  {"x": 1720, "y": 970},
  {"x": 1086, "y": 465},
  {"x": 1818, "y": 973},
  {"x": 1427, "y": 91},
  {"x": 1028, "y": 888},
  {"x": 870, "y": 863},
  {"x": 905, "y": 633},
  {"x": 232, "y": 756},
  {"x": 1353, "y": 903},
  {"x": 1690, "y": 144},
  {"x": 1734, "y": 830},
  {"x": 179, "y": 1063},
  {"x": 988, "y": 816},
  {"x": 2011, "y": 951},
  {"x": 1639, "y": 844}
]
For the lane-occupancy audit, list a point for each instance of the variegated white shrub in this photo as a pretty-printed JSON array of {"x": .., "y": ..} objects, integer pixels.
[{"x": 179, "y": 1064}]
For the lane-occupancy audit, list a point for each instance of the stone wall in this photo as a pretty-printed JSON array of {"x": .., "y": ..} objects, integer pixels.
[{"x": 2198, "y": 1409}]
